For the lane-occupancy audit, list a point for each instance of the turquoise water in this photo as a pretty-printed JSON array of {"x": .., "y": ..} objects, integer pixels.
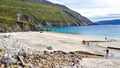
[{"x": 112, "y": 31}]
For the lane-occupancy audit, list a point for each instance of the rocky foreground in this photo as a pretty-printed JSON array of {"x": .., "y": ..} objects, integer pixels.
[{"x": 56, "y": 59}]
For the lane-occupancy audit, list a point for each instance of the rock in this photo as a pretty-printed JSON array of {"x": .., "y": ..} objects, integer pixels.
[
  {"x": 45, "y": 52},
  {"x": 9, "y": 60},
  {"x": 7, "y": 36},
  {"x": 22, "y": 53},
  {"x": 50, "y": 48}
]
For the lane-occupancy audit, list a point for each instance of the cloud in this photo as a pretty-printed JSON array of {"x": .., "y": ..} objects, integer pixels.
[
  {"x": 88, "y": 3},
  {"x": 90, "y": 12},
  {"x": 80, "y": 3},
  {"x": 54, "y": 1},
  {"x": 109, "y": 16},
  {"x": 105, "y": 17},
  {"x": 93, "y": 9}
]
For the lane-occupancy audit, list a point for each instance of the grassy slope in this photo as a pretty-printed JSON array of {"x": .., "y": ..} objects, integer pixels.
[{"x": 38, "y": 12}]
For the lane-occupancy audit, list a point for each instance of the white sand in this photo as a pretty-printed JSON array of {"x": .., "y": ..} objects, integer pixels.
[
  {"x": 115, "y": 44},
  {"x": 59, "y": 41},
  {"x": 100, "y": 63}
]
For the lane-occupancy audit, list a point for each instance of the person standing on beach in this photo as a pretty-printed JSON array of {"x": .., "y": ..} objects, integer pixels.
[
  {"x": 84, "y": 42},
  {"x": 105, "y": 38},
  {"x": 107, "y": 52},
  {"x": 88, "y": 43}
]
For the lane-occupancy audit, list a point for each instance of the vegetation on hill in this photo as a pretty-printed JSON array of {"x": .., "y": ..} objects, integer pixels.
[{"x": 34, "y": 14}]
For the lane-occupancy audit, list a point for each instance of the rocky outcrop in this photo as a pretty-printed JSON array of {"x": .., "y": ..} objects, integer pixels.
[{"x": 17, "y": 26}]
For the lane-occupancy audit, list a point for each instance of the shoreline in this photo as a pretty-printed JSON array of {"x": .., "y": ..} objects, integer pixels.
[
  {"x": 94, "y": 36},
  {"x": 58, "y": 47},
  {"x": 45, "y": 39},
  {"x": 60, "y": 41}
]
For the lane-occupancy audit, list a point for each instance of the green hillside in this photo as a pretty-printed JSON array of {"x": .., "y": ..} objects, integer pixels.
[{"x": 33, "y": 14}]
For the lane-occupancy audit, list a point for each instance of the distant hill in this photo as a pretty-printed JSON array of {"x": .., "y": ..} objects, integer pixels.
[
  {"x": 108, "y": 22},
  {"x": 22, "y": 15}
]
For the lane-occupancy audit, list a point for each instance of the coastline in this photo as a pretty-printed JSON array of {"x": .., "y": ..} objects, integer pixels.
[
  {"x": 59, "y": 41},
  {"x": 62, "y": 44}
]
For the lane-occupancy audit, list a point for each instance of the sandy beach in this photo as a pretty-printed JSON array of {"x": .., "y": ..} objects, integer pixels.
[
  {"x": 59, "y": 41},
  {"x": 67, "y": 43}
]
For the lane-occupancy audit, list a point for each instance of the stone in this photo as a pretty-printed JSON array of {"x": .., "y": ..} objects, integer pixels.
[
  {"x": 45, "y": 52},
  {"x": 50, "y": 48}
]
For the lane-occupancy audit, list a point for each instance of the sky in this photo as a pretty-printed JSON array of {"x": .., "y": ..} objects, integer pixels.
[{"x": 95, "y": 10}]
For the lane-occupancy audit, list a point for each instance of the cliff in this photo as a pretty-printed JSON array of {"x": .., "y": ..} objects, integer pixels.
[{"x": 22, "y": 15}]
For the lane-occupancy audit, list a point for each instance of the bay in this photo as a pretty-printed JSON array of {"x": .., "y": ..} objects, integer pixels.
[{"x": 111, "y": 31}]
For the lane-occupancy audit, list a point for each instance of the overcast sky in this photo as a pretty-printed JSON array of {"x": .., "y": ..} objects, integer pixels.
[{"x": 95, "y": 10}]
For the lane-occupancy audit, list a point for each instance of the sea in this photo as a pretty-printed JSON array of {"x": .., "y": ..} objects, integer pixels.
[{"x": 111, "y": 31}]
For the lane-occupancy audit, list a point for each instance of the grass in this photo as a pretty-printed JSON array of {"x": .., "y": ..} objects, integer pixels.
[{"x": 37, "y": 12}]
